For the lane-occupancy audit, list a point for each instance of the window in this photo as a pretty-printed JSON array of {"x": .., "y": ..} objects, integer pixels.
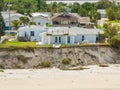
[
  {"x": 59, "y": 39},
  {"x": 56, "y": 39},
  {"x": 39, "y": 23},
  {"x": 25, "y": 34},
  {"x": 83, "y": 38},
  {"x": 32, "y": 33},
  {"x": 68, "y": 39}
]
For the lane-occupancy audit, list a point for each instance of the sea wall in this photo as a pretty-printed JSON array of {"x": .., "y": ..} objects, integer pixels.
[{"x": 32, "y": 58}]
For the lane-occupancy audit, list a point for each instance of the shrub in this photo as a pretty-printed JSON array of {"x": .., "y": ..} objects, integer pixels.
[
  {"x": 115, "y": 41},
  {"x": 66, "y": 61},
  {"x": 103, "y": 65},
  {"x": 1, "y": 70},
  {"x": 46, "y": 64},
  {"x": 22, "y": 58},
  {"x": 2, "y": 66}
]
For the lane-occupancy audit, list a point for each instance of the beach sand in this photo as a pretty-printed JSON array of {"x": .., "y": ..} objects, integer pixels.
[{"x": 94, "y": 78}]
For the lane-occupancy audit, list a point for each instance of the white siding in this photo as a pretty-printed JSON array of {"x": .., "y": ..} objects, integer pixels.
[
  {"x": 41, "y": 20},
  {"x": 36, "y": 36},
  {"x": 91, "y": 38},
  {"x": 11, "y": 20},
  {"x": 78, "y": 38}
]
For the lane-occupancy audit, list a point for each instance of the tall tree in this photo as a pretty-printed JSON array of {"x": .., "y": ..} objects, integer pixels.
[
  {"x": 110, "y": 30},
  {"x": 103, "y": 4},
  {"x": 113, "y": 13},
  {"x": 15, "y": 24},
  {"x": 2, "y": 24},
  {"x": 1, "y": 5},
  {"x": 24, "y": 20}
]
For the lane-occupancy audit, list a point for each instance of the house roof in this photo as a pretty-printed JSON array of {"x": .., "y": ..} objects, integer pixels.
[
  {"x": 71, "y": 16},
  {"x": 12, "y": 14},
  {"x": 71, "y": 31},
  {"x": 102, "y": 11},
  {"x": 66, "y": 15},
  {"x": 32, "y": 27},
  {"x": 40, "y": 14},
  {"x": 84, "y": 20}
]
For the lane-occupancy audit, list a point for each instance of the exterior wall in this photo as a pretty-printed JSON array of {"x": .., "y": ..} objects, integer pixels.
[
  {"x": 36, "y": 36},
  {"x": 52, "y": 40},
  {"x": 78, "y": 38},
  {"x": 64, "y": 39},
  {"x": 11, "y": 20},
  {"x": 44, "y": 39},
  {"x": 91, "y": 38},
  {"x": 41, "y": 20}
]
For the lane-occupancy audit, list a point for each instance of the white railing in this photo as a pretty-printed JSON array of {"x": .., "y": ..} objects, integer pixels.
[
  {"x": 56, "y": 45},
  {"x": 3, "y": 38}
]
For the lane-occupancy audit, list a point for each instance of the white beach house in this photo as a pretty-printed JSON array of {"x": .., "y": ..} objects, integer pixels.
[
  {"x": 67, "y": 35},
  {"x": 31, "y": 33},
  {"x": 13, "y": 16},
  {"x": 41, "y": 19}
]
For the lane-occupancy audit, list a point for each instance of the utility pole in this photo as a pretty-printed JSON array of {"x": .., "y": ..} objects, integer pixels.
[
  {"x": 51, "y": 9},
  {"x": 9, "y": 5}
]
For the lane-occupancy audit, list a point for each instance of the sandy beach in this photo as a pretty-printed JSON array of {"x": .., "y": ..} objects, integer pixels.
[{"x": 94, "y": 78}]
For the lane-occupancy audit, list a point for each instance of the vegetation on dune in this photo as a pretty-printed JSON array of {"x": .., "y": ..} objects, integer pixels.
[
  {"x": 22, "y": 58},
  {"x": 66, "y": 61},
  {"x": 2, "y": 66},
  {"x": 45, "y": 63},
  {"x": 112, "y": 33},
  {"x": 115, "y": 41}
]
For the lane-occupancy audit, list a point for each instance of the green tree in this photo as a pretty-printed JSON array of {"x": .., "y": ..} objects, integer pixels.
[
  {"x": 75, "y": 7},
  {"x": 2, "y": 24},
  {"x": 115, "y": 41},
  {"x": 15, "y": 24},
  {"x": 24, "y": 20},
  {"x": 32, "y": 23},
  {"x": 113, "y": 13},
  {"x": 1, "y": 5},
  {"x": 41, "y": 5},
  {"x": 61, "y": 7},
  {"x": 110, "y": 30},
  {"x": 103, "y": 4}
]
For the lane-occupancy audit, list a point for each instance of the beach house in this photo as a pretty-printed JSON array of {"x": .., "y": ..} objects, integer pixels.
[
  {"x": 72, "y": 19},
  {"x": 41, "y": 19},
  {"x": 69, "y": 35},
  {"x": 9, "y": 18},
  {"x": 30, "y": 33}
]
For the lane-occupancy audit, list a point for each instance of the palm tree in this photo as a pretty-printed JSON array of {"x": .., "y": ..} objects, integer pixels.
[
  {"x": 32, "y": 23},
  {"x": 24, "y": 20},
  {"x": 15, "y": 24},
  {"x": 2, "y": 26}
]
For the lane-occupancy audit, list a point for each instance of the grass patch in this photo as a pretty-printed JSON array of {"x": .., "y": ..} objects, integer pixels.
[
  {"x": 17, "y": 44},
  {"x": 24, "y": 45}
]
